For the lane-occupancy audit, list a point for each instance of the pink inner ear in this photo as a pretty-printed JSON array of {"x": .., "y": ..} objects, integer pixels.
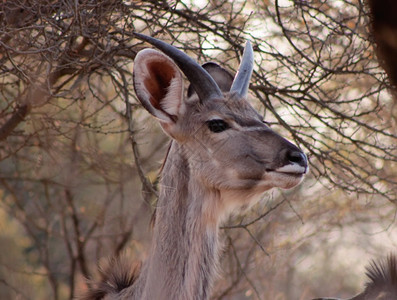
[{"x": 158, "y": 81}]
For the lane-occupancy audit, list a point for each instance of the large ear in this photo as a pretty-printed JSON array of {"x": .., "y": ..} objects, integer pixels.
[
  {"x": 158, "y": 85},
  {"x": 222, "y": 77}
]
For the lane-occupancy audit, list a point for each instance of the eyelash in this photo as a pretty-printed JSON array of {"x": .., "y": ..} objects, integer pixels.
[{"x": 217, "y": 125}]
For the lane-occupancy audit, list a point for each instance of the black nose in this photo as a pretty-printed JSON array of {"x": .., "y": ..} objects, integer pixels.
[{"x": 297, "y": 157}]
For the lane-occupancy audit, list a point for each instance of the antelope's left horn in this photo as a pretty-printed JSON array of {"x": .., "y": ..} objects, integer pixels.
[{"x": 242, "y": 79}]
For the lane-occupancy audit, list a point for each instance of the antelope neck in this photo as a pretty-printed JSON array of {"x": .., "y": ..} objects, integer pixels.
[{"x": 184, "y": 251}]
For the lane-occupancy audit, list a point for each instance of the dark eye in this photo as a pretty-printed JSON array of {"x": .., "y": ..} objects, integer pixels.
[{"x": 217, "y": 125}]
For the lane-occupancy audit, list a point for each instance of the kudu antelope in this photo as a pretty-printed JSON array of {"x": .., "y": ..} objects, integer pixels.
[
  {"x": 222, "y": 157},
  {"x": 382, "y": 281}
]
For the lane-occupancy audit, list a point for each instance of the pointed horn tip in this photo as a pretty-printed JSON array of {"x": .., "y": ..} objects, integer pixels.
[
  {"x": 139, "y": 35},
  {"x": 149, "y": 39},
  {"x": 248, "y": 49},
  {"x": 144, "y": 37},
  {"x": 248, "y": 44}
]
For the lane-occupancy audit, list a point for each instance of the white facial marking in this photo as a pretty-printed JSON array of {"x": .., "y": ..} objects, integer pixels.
[
  {"x": 214, "y": 161},
  {"x": 292, "y": 168},
  {"x": 253, "y": 128},
  {"x": 231, "y": 173}
]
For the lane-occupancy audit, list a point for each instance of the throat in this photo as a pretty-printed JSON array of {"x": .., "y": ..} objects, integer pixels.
[{"x": 184, "y": 253}]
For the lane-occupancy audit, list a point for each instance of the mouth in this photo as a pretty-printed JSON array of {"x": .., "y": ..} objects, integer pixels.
[
  {"x": 287, "y": 176},
  {"x": 293, "y": 170},
  {"x": 296, "y": 175}
]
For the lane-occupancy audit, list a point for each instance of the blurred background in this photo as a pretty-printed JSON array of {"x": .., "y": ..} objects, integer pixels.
[{"x": 80, "y": 158}]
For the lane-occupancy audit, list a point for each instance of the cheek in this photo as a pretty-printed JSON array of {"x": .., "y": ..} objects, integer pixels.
[
  {"x": 240, "y": 167},
  {"x": 224, "y": 165},
  {"x": 215, "y": 174}
]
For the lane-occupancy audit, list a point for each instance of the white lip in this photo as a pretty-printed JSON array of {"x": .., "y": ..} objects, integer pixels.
[{"x": 292, "y": 169}]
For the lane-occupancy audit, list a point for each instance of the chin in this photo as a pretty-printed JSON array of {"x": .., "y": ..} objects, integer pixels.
[{"x": 283, "y": 180}]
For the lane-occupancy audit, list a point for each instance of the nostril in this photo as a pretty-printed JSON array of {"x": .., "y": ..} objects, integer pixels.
[{"x": 297, "y": 157}]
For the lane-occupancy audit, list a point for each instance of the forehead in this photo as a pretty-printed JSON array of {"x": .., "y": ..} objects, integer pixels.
[{"x": 227, "y": 107}]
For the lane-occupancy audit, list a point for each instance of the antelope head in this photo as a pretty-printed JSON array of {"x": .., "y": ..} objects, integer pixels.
[{"x": 224, "y": 140}]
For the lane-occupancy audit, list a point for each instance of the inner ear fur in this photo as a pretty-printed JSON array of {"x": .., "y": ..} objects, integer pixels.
[{"x": 158, "y": 85}]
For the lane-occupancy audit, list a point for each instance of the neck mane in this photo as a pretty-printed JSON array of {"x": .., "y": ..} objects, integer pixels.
[{"x": 184, "y": 252}]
